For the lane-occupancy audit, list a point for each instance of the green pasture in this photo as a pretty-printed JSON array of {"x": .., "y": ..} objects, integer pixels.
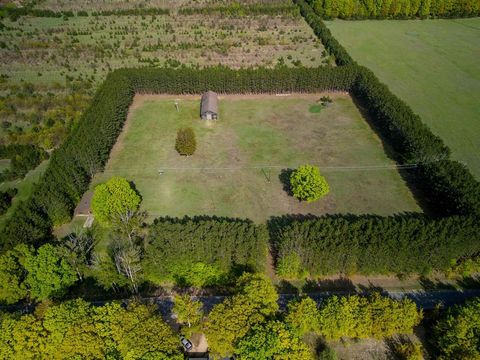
[
  {"x": 434, "y": 65},
  {"x": 235, "y": 170}
]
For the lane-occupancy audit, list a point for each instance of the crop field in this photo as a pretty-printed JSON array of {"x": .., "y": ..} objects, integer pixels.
[
  {"x": 237, "y": 167},
  {"x": 51, "y": 50},
  {"x": 432, "y": 65}
]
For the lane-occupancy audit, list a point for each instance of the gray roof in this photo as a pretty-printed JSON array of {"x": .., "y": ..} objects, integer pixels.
[
  {"x": 83, "y": 207},
  {"x": 209, "y": 103}
]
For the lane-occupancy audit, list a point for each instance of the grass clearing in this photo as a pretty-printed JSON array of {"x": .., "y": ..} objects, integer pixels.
[
  {"x": 235, "y": 170},
  {"x": 431, "y": 64}
]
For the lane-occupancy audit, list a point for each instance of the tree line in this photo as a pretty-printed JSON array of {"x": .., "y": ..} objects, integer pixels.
[
  {"x": 238, "y": 10},
  {"x": 203, "y": 251},
  {"x": 398, "y": 9},
  {"x": 77, "y": 329},
  {"x": 367, "y": 244}
]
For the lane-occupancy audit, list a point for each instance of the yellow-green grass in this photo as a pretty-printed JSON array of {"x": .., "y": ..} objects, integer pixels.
[
  {"x": 24, "y": 187},
  {"x": 229, "y": 174},
  {"x": 433, "y": 65}
]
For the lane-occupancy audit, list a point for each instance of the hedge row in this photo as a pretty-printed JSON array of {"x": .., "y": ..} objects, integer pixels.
[
  {"x": 400, "y": 9},
  {"x": 243, "y": 81},
  {"x": 175, "y": 246},
  {"x": 372, "y": 244},
  {"x": 237, "y": 10},
  {"x": 324, "y": 34}
]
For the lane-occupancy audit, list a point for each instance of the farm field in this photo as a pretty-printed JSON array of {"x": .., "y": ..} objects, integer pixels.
[
  {"x": 48, "y": 50},
  {"x": 235, "y": 170},
  {"x": 432, "y": 65}
]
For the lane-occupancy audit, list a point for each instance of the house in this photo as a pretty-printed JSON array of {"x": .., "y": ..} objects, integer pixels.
[
  {"x": 83, "y": 207},
  {"x": 209, "y": 106}
]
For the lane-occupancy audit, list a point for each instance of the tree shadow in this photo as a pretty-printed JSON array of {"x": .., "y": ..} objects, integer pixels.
[
  {"x": 285, "y": 287},
  {"x": 428, "y": 284},
  {"x": 371, "y": 288},
  {"x": 284, "y": 178},
  {"x": 341, "y": 284}
]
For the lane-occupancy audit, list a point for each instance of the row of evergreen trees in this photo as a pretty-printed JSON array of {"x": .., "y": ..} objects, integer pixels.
[
  {"x": 178, "y": 246},
  {"x": 236, "y": 9},
  {"x": 372, "y": 244},
  {"x": 395, "y": 9}
]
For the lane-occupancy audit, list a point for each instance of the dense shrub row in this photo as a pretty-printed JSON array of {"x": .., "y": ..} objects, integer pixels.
[
  {"x": 133, "y": 12},
  {"x": 372, "y": 244},
  {"x": 243, "y": 81},
  {"x": 23, "y": 158},
  {"x": 389, "y": 9},
  {"x": 16, "y": 12},
  {"x": 324, "y": 34},
  {"x": 175, "y": 248},
  {"x": 238, "y": 10}
]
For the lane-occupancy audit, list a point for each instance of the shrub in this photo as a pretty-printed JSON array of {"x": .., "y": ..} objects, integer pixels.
[
  {"x": 114, "y": 198},
  {"x": 185, "y": 144},
  {"x": 6, "y": 199},
  {"x": 307, "y": 183},
  {"x": 456, "y": 334},
  {"x": 409, "y": 351}
]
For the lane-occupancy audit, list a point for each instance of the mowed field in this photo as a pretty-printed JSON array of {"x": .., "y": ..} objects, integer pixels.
[
  {"x": 433, "y": 65},
  {"x": 235, "y": 171}
]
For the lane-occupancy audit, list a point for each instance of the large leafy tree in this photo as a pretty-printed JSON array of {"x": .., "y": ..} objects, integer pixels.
[
  {"x": 229, "y": 321},
  {"x": 457, "y": 334},
  {"x": 302, "y": 316},
  {"x": 188, "y": 311},
  {"x": 12, "y": 275},
  {"x": 137, "y": 332},
  {"x": 72, "y": 332},
  {"x": 307, "y": 184},
  {"x": 48, "y": 273},
  {"x": 272, "y": 340},
  {"x": 113, "y": 199}
]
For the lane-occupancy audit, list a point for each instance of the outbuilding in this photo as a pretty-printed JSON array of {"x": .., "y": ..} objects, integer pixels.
[
  {"x": 209, "y": 106},
  {"x": 83, "y": 208}
]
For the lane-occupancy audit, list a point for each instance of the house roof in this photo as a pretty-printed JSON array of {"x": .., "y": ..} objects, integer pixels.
[
  {"x": 209, "y": 103},
  {"x": 83, "y": 207}
]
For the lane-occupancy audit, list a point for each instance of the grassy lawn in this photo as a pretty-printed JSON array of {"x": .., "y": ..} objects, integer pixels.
[
  {"x": 229, "y": 175},
  {"x": 25, "y": 188},
  {"x": 433, "y": 65}
]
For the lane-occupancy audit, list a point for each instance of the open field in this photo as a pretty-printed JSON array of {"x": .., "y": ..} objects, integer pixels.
[
  {"x": 47, "y": 50},
  {"x": 235, "y": 171},
  {"x": 432, "y": 65}
]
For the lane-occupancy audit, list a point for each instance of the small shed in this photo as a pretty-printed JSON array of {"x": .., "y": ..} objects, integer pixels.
[
  {"x": 83, "y": 207},
  {"x": 209, "y": 106}
]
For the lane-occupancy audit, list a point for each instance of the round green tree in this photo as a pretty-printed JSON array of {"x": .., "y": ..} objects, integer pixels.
[
  {"x": 307, "y": 184},
  {"x": 114, "y": 198}
]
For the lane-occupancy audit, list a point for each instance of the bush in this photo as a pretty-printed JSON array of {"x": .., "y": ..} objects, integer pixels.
[
  {"x": 307, "y": 183},
  {"x": 6, "y": 199},
  {"x": 113, "y": 199},
  {"x": 456, "y": 334},
  {"x": 409, "y": 351},
  {"x": 185, "y": 144}
]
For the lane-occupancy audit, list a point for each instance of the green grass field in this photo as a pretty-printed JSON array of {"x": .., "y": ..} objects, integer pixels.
[
  {"x": 433, "y": 65},
  {"x": 229, "y": 175}
]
